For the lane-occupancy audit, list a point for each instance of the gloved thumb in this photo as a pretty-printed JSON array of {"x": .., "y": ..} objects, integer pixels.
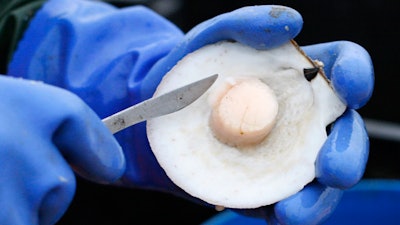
[
  {"x": 88, "y": 145},
  {"x": 60, "y": 116}
]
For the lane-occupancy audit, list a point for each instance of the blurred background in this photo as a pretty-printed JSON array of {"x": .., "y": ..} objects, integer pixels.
[{"x": 371, "y": 23}]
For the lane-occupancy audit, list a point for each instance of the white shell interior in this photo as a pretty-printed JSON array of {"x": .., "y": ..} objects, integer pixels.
[{"x": 255, "y": 176}]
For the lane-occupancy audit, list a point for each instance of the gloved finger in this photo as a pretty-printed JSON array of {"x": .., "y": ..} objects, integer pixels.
[
  {"x": 37, "y": 184},
  {"x": 51, "y": 188},
  {"x": 350, "y": 69},
  {"x": 260, "y": 27},
  {"x": 87, "y": 144},
  {"x": 59, "y": 116},
  {"x": 310, "y": 206},
  {"x": 347, "y": 143}
]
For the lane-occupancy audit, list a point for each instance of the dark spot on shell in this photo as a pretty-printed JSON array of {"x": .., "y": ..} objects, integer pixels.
[{"x": 310, "y": 73}]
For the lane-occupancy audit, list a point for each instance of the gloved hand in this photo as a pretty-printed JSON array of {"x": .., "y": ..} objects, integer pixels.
[
  {"x": 102, "y": 54},
  {"x": 110, "y": 70},
  {"x": 44, "y": 132},
  {"x": 342, "y": 159}
]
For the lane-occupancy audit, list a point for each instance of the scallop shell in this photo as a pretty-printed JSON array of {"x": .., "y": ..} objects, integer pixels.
[{"x": 252, "y": 176}]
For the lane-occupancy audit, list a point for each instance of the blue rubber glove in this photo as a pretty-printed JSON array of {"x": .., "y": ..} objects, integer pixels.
[
  {"x": 45, "y": 132},
  {"x": 114, "y": 77},
  {"x": 101, "y": 53}
]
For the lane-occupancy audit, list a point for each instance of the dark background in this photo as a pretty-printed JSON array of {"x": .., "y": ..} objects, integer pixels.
[{"x": 371, "y": 23}]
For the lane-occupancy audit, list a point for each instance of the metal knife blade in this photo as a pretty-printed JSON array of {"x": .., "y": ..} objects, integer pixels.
[{"x": 158, "y": 106}]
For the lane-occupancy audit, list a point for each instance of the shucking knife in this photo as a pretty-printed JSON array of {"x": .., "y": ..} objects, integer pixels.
[{"x": 158, "y": 106}]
